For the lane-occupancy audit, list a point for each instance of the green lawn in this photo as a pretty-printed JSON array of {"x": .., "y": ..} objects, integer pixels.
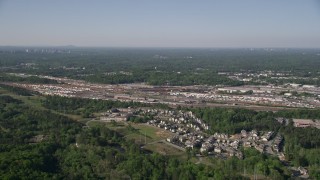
[
  {"x": 154, "y": 133},
  {"x": 165, "y": 149}
]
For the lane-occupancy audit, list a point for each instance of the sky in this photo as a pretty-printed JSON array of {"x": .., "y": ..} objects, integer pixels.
[{"x": 161, "y": 23}]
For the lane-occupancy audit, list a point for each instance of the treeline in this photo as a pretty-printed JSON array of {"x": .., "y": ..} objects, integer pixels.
[
  {"x": 227, "y": 120},
  {"x": 164, "y": 78},
  {"x": 299, "y": 113},
  {"x": 232, "y": 121},
  {"x": 297, "y": 81},
  {"x": 29, "y": 79},
  {"x": 86, "y": 107},
  {"x": 189, "y": 78},
  {"x": 18, "y": 90}
]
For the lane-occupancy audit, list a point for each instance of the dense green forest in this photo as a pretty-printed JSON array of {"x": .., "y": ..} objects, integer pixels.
[
  {"x": 39, "y": 144},
  {"x": 162, "y": 66}
]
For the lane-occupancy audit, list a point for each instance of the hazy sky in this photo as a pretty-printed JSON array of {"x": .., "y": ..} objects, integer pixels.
[{"x": 161, "y": 23}]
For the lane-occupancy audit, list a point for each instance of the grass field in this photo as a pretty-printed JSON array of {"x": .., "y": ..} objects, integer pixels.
[
  {"x": 154, "y": 133},
  {"x": 149, "y": 137},
  {"x": 165, "y": 149}
]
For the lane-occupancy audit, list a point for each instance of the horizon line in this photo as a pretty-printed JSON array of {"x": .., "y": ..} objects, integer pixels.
[{"x": 162, "y": 47}]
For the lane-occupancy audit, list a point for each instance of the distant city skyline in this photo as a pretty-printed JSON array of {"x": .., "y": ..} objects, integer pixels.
[{"x": 165, "y": 23}]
